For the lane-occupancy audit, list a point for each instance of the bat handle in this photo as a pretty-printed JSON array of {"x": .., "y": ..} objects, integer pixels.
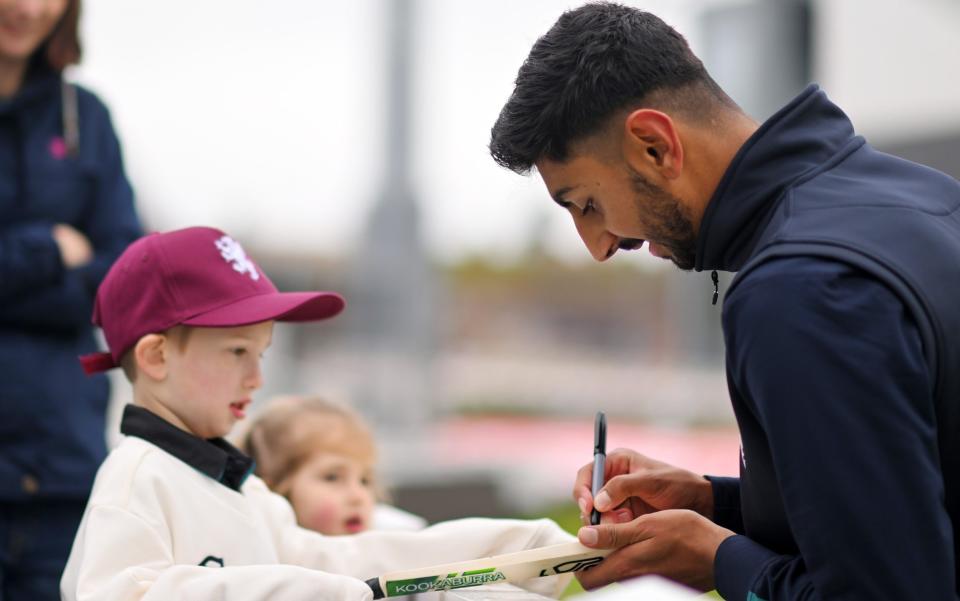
[{"x": 374, "y": 584}]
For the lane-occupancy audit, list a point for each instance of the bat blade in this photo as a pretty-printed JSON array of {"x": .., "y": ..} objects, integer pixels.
[{"x": 508, "y": 567}]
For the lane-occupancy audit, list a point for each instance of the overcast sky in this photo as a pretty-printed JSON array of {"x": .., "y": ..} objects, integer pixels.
[{"x": 266, "y": 118}]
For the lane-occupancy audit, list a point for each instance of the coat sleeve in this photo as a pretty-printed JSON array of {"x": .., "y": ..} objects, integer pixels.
[
  {"x": 726, "y": 502},
  {"x": 37, "y": 291},
  {"x": 112, "y": 223},
  {"x": 832, "y": 367},
  {"x": 118, "y": 556},
  {"x": 29, "y": 258},
  {"x": 373, "y": 553}
]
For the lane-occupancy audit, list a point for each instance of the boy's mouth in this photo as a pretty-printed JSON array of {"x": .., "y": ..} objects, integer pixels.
[{"x": 238, "y": 409}]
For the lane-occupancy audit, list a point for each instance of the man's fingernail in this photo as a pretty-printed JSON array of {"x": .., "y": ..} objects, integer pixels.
[
  {"x": 583, "y": 505},
  {"x": 602, "y": 500},
  {"x": 588, "y": 536}
]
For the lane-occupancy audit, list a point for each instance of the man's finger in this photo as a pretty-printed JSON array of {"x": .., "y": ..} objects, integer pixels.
[
  {"x": 626, "y": 461},
  {"x": 613, "y": 535},
  {"x": 618, "y": 462},
  {"x": 620, "y": 488},
  {"x": 615, "y": 567},
  {"x": 581, "y": 486},
  {"x": 584, "y": 476}
]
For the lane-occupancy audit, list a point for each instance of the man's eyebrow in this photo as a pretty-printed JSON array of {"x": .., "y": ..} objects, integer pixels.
[{"x": 558, "y": 196}]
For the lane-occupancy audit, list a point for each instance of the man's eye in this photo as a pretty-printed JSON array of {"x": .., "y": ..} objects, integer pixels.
[
  {"x": 239, "y": 352},
  {"x": 587, "y": 208},
  {"x": 330, "y": 477}
]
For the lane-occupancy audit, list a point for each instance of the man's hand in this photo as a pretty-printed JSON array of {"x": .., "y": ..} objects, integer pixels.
[
  {"x": 637, "y": 485},
  {"x": 678, "y": 544},
  {"x": 75, "y": 248}
]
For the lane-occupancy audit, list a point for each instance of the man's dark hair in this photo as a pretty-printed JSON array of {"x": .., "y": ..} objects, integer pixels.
[{"x": 594, "y": 61}]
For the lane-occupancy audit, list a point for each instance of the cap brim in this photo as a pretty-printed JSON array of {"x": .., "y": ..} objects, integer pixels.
[{"x": 276, "y": 306}]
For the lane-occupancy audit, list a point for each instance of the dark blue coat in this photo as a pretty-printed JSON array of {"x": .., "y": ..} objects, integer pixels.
[
  {"x": 51, "y": 414},
  {"x": 842, "y": 330}
]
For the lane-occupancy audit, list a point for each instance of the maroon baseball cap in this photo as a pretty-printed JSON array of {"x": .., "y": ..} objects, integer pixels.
[{"x": 198, "y": 276}]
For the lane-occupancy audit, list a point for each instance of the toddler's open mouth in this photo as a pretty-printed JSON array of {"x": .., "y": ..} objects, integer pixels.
[{"x": 354, "y": 525}]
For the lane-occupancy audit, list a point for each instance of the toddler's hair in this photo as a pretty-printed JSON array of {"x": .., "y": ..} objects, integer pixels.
[{"x": 291, "y": 429}]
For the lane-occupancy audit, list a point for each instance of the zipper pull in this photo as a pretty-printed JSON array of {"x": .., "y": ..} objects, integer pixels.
[{"x": 716, "y": 286}]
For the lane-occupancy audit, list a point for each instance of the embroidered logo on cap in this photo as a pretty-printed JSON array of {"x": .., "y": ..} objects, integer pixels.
[{"x": 232, "y": 253}]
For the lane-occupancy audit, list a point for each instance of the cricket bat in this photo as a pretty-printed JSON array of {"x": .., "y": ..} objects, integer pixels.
[{"x": 509, "y": 567}]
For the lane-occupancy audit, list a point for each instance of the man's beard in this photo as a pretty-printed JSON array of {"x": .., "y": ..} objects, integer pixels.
[{"x": 665, "y": 221}]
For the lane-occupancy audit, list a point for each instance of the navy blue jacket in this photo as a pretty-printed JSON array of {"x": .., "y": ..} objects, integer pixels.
[
  {"x": 842, "y": 330},
  {"x": 52, "y": 416}
]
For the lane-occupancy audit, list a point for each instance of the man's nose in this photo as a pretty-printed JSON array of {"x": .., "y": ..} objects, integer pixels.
[{"x": 601, "y": 243}]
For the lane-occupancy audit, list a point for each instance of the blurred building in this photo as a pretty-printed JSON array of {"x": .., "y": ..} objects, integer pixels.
[{"x": 393, "y": 286}]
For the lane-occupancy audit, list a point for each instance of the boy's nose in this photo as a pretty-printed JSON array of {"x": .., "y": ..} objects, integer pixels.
[{"x": 254, "y": 378}]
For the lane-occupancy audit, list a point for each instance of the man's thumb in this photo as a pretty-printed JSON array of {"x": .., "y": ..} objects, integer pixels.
[{"x": 610, "y": 536}]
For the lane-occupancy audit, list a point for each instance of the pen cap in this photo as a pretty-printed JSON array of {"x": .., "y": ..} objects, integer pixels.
[{"x": 600, "y": 433}]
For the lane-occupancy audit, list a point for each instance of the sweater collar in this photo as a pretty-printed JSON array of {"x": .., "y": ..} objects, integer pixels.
[
  {"x": 797, "y": 139},
  {"x": 214, "y": 457}
]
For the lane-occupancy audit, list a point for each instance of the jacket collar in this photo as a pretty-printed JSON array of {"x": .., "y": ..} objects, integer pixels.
[
  {"x": 214, "y": 457},
  {"x": 39, "y": 81},
  {"x": 797, "y": 139}
]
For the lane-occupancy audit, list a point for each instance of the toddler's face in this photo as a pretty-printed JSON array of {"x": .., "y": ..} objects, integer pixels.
[{"x": 333, "y": 494}]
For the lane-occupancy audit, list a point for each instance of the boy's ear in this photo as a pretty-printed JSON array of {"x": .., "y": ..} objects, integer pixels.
[{"x": 150, "y": 354}]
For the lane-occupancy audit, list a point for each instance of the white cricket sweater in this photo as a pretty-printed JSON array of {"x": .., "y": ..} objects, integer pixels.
[{"x": 157, "y": 528}]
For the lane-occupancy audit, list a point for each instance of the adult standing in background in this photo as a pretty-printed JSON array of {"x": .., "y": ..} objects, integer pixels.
[
  {"x": 842, "y": 326},
  {"x": 66, "y": 212}
]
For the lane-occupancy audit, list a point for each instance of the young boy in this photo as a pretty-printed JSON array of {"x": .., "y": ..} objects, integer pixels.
[{"x": 174, "y": 512}]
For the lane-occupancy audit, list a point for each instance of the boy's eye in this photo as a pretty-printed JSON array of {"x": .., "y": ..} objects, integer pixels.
[
  {"x": 366, "y": 481},
  {"x": 331, "y": 477},
  {"x": 239, "y": 352}
]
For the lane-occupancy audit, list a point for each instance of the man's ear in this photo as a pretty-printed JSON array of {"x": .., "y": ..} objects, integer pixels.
[
  {"x": 651, "y": 143},
  {"x": 150, "y": 353}
]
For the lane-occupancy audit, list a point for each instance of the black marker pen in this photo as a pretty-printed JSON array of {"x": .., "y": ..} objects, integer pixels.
[{"x": 599, "y": 457}]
